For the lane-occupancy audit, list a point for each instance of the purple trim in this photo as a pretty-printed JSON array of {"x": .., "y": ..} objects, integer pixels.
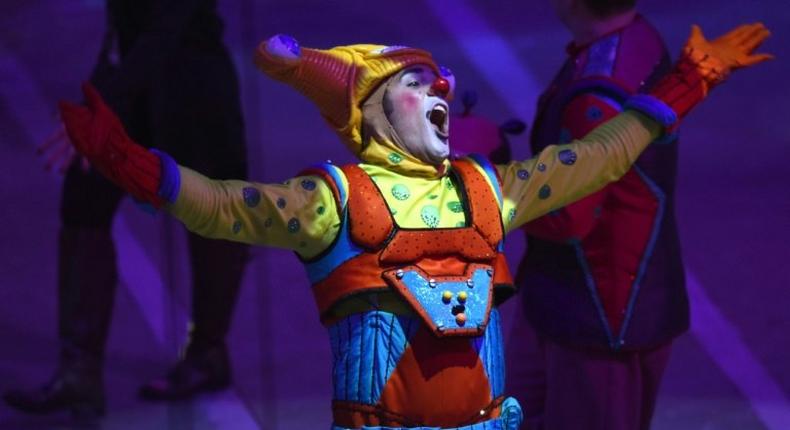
[
  {"x": 589, "y": 280},
  {"x": 601, "y": 57},
  {"x": 170, "y": 183},
  {"x": 654, "y": 108},
  {"x": 651, "y": 245}
]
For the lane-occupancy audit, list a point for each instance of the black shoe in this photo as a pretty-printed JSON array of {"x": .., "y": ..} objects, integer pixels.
[
  {"x": 199, "y": 371},
  {"x": 81, "y": 394}
]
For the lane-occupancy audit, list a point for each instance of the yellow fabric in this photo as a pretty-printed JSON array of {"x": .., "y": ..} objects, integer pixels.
[
  {"x": 217, "y": 210},
  {"x": 384, "y": 152},
  {"x": 418, "y": 202},
  {"x": 301, "y": 214},
  {"x": 602, "y": 156}
]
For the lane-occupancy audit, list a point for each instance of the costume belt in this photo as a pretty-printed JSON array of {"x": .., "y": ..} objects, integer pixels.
[{"x": 510, "y": 418}]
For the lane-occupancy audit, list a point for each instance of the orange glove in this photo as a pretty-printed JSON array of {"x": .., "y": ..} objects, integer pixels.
[{"x": 704, "y": 64}]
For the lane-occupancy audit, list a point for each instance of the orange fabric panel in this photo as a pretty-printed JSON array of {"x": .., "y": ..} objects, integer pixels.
[
  {"x": 411, "y": 245},
  {"x": 438, "y": 252},
  {"x": 356, "y": 275},
  {"x": 439, "y": 382},
  {"x": 483, "y": 203},
  {"x": 447, "y": 266},
  {"x": 502, "y": 271},
  {"x": 371, "y": 222}
]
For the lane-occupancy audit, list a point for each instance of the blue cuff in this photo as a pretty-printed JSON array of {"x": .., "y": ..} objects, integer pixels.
[
  {"x": 170, "y": 183},
  {"x": 654, "y": 108}
]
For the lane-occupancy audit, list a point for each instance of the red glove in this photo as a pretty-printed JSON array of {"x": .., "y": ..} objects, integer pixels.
[
  {"x": 703, "y": 64},
  {"x": 98, "y": 134}
]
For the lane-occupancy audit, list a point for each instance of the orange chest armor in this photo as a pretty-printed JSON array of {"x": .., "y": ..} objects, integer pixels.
[{"x": 450, "y": 277}]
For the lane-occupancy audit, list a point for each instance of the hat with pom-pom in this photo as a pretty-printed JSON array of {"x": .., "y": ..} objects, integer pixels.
[{"x": 339, "y": 79}]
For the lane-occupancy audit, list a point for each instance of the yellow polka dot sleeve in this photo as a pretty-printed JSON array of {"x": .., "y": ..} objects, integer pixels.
[
  {"x": 299, "y": 214},
  {"x": 562, "y": 174}
]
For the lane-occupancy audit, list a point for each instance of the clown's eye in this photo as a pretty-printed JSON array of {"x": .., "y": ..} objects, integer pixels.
[{"x": 413, "y": 84}]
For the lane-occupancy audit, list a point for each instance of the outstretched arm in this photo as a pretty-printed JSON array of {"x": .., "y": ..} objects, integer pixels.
[
  {"x": 300, "y": 215},
  {"x": 561, "y": 174},
  {"x": 578, "y": 219}
]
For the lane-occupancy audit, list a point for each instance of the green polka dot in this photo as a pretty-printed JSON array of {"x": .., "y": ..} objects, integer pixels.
[
  {"x": 395, "y": 158},
  {"x": 400, "y": 192},
  {"x": 393, "y": 211},
  {"x": 320, "y": 210},
  {"x": 455, "y": 207},
  {"x": 512, "y": 214},
  {"x": 448, "y": 183},
  {"x": 430, "y": 216},
  {"x": 460, "y": 224},
  {"x": 433, "y": 197}
]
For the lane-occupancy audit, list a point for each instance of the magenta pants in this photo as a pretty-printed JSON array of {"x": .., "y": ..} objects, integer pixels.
[{"x": 563, "y": 388}]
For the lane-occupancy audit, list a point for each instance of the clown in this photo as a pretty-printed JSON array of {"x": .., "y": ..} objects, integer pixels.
[{"x": 404, "y": 249}]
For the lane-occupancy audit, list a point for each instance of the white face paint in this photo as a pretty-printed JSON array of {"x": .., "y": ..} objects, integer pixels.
[{"x": 419, "y": 117}]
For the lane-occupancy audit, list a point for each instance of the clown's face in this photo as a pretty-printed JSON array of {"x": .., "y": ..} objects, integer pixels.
[{"x": 419, "y": 116}]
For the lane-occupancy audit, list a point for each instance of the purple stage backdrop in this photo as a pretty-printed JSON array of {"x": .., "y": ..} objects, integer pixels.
[{"x": 729, "y": 372}]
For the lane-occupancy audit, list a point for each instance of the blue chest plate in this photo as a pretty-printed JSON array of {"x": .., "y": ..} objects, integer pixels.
[{"x": 449, "y": 305}]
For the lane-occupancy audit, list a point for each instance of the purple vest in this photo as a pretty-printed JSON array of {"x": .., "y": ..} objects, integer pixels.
[{"x": 560, "y": 282}]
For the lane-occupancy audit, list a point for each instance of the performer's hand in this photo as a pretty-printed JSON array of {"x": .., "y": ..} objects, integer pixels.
[
  {"x": 702, "y": 65},
  {"x": 93, "y": 128},
  {"x": 58, "y": 152},
  {"x": 98, "y": 134},
  {"x": 717, "y": 58}
]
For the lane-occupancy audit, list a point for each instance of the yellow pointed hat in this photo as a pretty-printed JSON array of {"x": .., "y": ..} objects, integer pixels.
[{"x": 339, "y": 79}]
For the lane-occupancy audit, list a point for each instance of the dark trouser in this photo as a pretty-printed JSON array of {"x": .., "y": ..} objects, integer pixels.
[
  {"x": 563, "y": 388},
  {"x": 193, "y": 113}
]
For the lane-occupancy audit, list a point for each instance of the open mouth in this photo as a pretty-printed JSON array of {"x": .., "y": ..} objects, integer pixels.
[{"x": 439, "y": 119}]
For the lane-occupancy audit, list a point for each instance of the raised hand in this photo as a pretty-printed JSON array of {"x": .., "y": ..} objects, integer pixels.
[
  {"x": 717, "y": 58},
  {"x": 703, "y": 64},
  {"x": 98, "y": 134},
  {"x": 94, "y": 129}
]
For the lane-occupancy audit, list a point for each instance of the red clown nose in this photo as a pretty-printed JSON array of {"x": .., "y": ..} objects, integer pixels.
[{"x": 440, "y": 87}]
